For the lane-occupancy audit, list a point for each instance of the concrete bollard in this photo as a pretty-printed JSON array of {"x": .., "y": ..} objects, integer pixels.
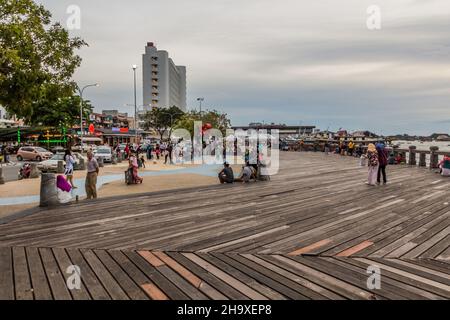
[
  {"x": 48, "y": 194},
  {"x": 422, "y": 159},
  {"x": 82, "y": 164},
  {"x": 434, "y": 158},
  {"x": 412, "y": 156},
  {"x": 101, "y": 164},
  {"x": 60, "y": 168},
  {"x": 2, "y": 179},
  {"x": 34, "y": 174}
]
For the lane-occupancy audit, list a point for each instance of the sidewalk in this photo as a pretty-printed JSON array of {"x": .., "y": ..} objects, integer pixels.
[{"x": 17, "y": 196}]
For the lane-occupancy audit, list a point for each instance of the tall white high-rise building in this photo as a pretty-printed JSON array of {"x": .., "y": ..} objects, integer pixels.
[{"x": 164, "y": 82}]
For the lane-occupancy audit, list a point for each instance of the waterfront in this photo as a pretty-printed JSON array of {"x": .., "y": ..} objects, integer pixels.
[{"x": 309, "y": 233}]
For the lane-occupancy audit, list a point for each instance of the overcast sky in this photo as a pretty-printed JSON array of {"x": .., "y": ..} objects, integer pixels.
[{"x": 286, "y": 61}]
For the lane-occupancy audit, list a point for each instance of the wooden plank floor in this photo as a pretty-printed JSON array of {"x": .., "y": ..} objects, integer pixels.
[{"x": 310, "y": 233}]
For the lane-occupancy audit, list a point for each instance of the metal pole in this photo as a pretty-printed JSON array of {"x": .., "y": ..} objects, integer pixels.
[
  {"x": 135, "y": 106},
  {"x": 81, "y": 115},
  {"x": 81, "y": 91}
]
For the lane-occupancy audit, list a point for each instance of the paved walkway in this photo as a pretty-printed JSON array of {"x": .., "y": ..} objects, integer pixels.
[{"x": 310, "y": 233}]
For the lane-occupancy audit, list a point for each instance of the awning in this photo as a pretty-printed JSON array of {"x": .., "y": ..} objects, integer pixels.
[{"x": 91, "y": 139}]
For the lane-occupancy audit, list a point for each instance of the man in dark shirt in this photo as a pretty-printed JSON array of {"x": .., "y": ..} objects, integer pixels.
[
  {"x": 383, "y": 162},
  {"x": 226, "y": 175}
]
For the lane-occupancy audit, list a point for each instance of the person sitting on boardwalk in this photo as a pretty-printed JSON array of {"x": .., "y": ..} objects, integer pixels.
[
  {"x": 226, "y": 175},
  {"x": 372, "y": 156},
  {"x": 248, "y": 172},
  {"x": 382, "y": 161},
  {"x": 91, "y": 178}
]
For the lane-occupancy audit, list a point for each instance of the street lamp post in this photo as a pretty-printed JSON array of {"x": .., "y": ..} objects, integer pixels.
[
  {"x": 81, "y": 91},
  {"x": 135, "y": 104},
  {"x": 200, "y": 100}
]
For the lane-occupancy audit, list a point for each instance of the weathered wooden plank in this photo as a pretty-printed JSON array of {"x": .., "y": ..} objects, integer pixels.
[
  {"x": 22, "y": 281},
  {"x": 6, "y": 274},
  {"x": 64, "y": 263},
  {"x": 152, "y": 291},
  {"x": 41, "y": 288},
  {"x": 166, "y": 286},
  {"x": 133, "y": 291},
  {"x": 54, "y": 276},
  {"x": 110, "y": 284},
  {"x": 90, "y": 280}
]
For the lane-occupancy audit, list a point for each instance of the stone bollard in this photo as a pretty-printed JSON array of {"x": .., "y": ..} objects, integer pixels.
[
  {"x": 60, "y": 168},
  {"x": 434, "y": 158},
  {"x": 101, "y": 164},
  {"x": 422, "y": 159},
  {"x": 49, "y": 194},
  {"x": 81, "y": 164},
  {"x": 412, "y": 156},
  {"x": 2, "y": 179},
  {"x": 34, "y": 174}
]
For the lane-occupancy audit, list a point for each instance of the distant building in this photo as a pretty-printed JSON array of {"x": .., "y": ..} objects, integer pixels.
[
  {"x": 164, "y": 83},
  {"x": 8, "y": 121},
  {"x": 284, "y": 130}
]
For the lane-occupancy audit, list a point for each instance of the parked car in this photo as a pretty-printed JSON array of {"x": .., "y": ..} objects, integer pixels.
[
  {"x": 103, "y": 152},
  {"x": 33, "y": 153},
  {"x": 85, "y": 148},
  {"x": 58, "y": 149},
  {"x": 51, "y": 165}
]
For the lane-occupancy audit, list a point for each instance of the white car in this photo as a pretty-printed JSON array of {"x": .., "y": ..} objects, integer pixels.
[
  {"x": 52, "y": 164},
  {"x": 103, "y": 152}
]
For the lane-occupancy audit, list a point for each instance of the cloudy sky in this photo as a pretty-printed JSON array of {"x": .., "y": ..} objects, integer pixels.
[{"x": 286, "y": 61}]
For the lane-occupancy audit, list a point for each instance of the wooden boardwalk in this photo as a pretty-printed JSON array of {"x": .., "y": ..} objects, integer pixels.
[{"x": 310, "y": 233}]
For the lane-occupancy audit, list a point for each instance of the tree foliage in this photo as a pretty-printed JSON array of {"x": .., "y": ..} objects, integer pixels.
[
  {"x": 217, "y": 120},
  {"x": 162, "y": 120},
  {"x": 37, "y": 61}
]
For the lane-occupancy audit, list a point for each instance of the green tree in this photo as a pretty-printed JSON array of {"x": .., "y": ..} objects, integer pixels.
[
  {"x": 162, "y": 120},
  {"x": 59, "y": 111},
  {"x": 217, "y": 120},
  {"x": 36, "y": 57}
]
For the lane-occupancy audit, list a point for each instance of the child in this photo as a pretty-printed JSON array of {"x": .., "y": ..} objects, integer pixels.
[
  {"x": 363, "y": 160},
  {"x": 143, "y": 162}
]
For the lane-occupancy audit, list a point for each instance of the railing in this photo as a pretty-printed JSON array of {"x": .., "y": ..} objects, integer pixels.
[{"x": 412, "y": 156}]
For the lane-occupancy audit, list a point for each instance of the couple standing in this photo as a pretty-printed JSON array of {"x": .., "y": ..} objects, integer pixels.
[{"x": 378, "y": 160}]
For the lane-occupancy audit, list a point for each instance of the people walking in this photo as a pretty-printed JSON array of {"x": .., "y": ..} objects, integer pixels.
[
  {"x": 372, "y": 157},
  {"x": 149, "y": 151},
  {"x": 158, "y": 151},
  {"x": 91, "y": 178},
  {"x": 382, "y": 161},
  {"x": 133, "y": 165},
  {"x": 169, "y": 150},
  {"x": 127, "y": 151},
  {"x": 70, "y": 161},
  {"x": 351, "y": 148}
]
